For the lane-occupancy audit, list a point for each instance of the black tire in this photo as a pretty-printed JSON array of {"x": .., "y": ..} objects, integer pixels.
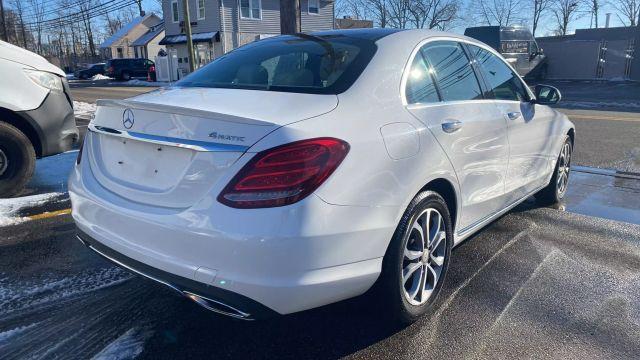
[
  {"x": 390, "y": 286},
  {"x": 19, "y": 160},
  {"x": 125, "y": 76},
  {"x": 554, "y": 193}
]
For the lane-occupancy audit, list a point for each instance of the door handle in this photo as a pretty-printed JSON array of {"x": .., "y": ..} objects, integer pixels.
[
  {"x": 513, "y": 115},
  {"x": 451, "y": 126}
]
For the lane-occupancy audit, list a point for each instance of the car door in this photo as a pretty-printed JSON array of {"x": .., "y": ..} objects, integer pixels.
[
  {"x": 444, "y": 93},
  {"x": 529, "y": 125}
]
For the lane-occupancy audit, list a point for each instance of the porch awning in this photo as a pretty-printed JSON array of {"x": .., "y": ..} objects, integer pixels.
[{"x": 196, "y": 38}]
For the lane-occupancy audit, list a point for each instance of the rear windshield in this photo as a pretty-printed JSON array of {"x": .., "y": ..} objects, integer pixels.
[
  {"x": 324, "y": 64},
  {"x": 515, "y": 34}
]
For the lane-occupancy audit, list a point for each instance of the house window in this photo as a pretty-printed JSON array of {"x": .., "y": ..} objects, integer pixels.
[
  {"x": 174, "y": 12},
  {"x": 200, "y": 9},
  {"x": 251, "y": 9},
  {"x": 314, "y": 6}
]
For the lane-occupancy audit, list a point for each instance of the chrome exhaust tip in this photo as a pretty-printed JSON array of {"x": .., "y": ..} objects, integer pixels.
[{"x": 217, "y": 306}]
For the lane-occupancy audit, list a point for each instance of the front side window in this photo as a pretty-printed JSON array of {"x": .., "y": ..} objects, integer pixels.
[
  {"x": 251, "y": 9},
  {"x": 420, "y": 88},
  {"x": 200, "y": 9},
  {"x": 453, "y": 72},
  {"x": 502, "y": 81},
  {"x": 314, "y": 6},
  {"x": 175, "y": 16},
  {"x": 327, "y": 64}
]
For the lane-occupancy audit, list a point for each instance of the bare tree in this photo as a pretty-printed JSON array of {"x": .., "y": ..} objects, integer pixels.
[
  {"x": 497, "y": 12},
  {"x": 565, "y": 11},
  {"x": 353, "y": 8},
  {"x": 379, "y": 11},
  {"x": 17, "y": 6},
  {"x": 399, "y": 14},
  {"x": 594, "y": 10},
  {"x": 540, "y": 7},
  {"x": 38, "y": 11},
  {"x": 434, "y": 14},
  {"x": 629, "y": 11}
]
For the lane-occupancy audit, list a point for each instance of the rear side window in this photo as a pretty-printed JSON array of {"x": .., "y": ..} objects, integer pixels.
[
  {"x": 420, "y": 87},
  {"x": 324, "y": 64},
  {"x": 502, "y": 82},
  {"x": 452, "y": 70}
]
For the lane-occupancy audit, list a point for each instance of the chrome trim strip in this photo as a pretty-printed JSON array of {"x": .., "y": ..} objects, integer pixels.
[
  {"x": 461, "y": 235},
  {"x": 169, "y": 141},
  {"x": 198, "y": 299}
]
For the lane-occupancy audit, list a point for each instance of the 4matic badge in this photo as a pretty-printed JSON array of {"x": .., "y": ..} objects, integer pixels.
[{"x": 218, "y": 136}]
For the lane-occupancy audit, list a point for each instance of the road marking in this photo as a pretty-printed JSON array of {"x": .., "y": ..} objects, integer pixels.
[{"x": 49, "y": 214}]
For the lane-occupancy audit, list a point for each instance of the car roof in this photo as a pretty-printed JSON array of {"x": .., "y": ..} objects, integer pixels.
[{"x": 373, "y": 34}]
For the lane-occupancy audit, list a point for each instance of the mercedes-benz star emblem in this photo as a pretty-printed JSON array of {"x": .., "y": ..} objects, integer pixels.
[{"x": 128, "y": 119}]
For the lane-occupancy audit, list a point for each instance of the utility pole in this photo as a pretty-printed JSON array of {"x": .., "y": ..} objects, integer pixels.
[
  {"x": 187, "y": 30},
  {"x": 290, "y": 16},
  {"x": 4, "y": 26},
  {"x": 139, "y": 2}
]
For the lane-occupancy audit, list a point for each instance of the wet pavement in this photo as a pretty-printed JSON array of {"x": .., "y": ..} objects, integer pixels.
[{"x": 538, "y": 282}]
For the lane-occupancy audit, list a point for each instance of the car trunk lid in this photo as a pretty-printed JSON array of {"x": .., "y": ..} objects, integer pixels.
[{"x": 169, "y": 148}]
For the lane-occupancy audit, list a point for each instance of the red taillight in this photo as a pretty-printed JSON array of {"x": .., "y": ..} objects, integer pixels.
[
  {"x": 152, "y": 68},
  {"x": 285, "y": 174},
  {"x": 110, "y": 70}
]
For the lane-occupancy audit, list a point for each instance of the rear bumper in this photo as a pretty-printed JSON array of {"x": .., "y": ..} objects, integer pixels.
[
  {"x": 279, "y": 260},
  {"x": 212, "y": 298}
]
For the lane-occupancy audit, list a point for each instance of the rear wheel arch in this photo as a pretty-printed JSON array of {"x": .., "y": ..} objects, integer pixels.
[
  {"x": 447, "y": 190},
  {"x": 24, "y": 126}
]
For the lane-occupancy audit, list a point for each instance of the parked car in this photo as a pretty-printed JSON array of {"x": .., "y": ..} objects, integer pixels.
[
  {"x": 304, "y": 169},
  {"x": 126, "y": 69},
  {"x": 36, "y": 115},
  {"x": 518, "y": 47},
  {"x": 91, "y": 71}
]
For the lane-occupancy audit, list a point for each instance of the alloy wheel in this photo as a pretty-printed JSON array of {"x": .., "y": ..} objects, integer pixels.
[
  {"x": 424, "y": 256},
  {"x": 564, "y": 167},
  {"x": 4, "y": 162}
]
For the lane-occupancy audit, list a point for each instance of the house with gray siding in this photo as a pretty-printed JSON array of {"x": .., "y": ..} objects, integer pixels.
[{"x": 219, "y": 26}]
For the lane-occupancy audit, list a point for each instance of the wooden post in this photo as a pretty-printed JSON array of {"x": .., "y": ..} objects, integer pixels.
[
  {"x": 187, "y": 30},
  {"x": 290, "y": 16}
]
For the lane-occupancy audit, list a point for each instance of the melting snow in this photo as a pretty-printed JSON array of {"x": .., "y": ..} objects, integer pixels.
[
  {"x": 128, "y": 346},
  {"x": 83, "y": 109},
  {"x": 5, "y": 335},
  {"x": 100, "y": 77},
  {"x": 10, "y": 208},
  {"x": 21, "y": 295}
]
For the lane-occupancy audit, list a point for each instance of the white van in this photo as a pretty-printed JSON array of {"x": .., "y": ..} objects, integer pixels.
[{"x": 36, "y": 115}]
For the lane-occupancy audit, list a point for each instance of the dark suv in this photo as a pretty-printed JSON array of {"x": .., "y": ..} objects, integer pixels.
[
  {"x": 125, "y": 69},
  {"x": 91, "y": 71},
  {"x": 517, "y": 46}
]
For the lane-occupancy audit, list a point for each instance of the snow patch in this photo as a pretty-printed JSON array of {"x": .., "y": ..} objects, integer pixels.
[
  {"x": 100, "y": 77},
  {"x": 6, "y": 335},
  {"x": 128, "y": 346},
  {"x": 136, "y": 82},
  {"x": 83, "y": 109},
  {"x": 10, "y": 208},
  {"x": 20, "y": 295}
]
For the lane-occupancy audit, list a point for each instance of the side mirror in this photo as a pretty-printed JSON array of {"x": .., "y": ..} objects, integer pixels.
[{"x": 547, "y": 95}]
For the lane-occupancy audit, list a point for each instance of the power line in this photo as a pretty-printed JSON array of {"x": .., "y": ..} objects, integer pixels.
[
  {"x": 56, "y": 25},
  {"x": 106, "y": 6}
]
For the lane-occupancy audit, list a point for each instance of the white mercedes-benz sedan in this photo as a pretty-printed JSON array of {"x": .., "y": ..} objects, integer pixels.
[{"x": 302, "y": 170}]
